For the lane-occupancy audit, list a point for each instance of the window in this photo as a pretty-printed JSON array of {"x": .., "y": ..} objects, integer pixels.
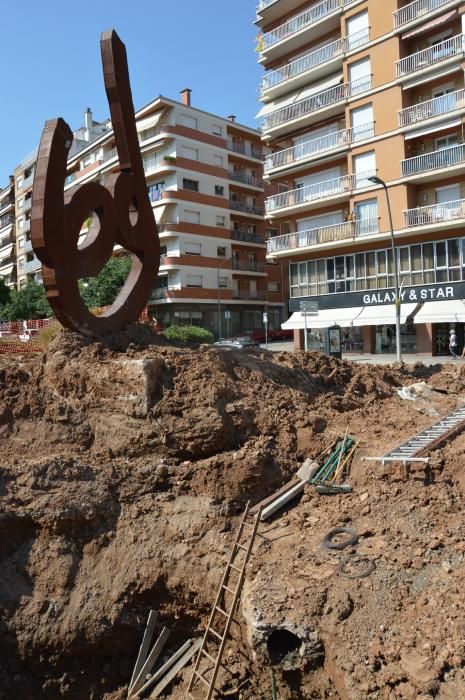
[
  {"x": 251, "y": 228},
  {"x": 220, "y": 220},
  {"x": 187, "y": 120},
  {"x": 221, "y": 251},
  {"x": 192, "y": 185},
  {"x": 192, "y": 217},
  {"x": 21, "y": 242},
  {"x": 364, "y": 167},
  {"x": 21, "y": 222},
  {"x": 219, "y": 190},
  {"x": 217, "y": 130},
  {"x": 446, "y": 142},
  {"x": 19, "y": 202},
  {"x": 360, "y": 76},
  {"x": 150, "y": 162},
  {"x": 357, "y": 30},
  {"x": 222, "y": 282},
  {"x": 366, "y": 216},
  {"x": 155, "y": 191},
  {"x": 21, "y": 262},
  {"x": 163, "y": 251},
  {"x": 190, "y": 153},
  {"x": 194, "y": 280},
  {"x": 193, "y": 248},
  {"x": 273, "y": 287},
  {"x": 218, "y": 160},
  {"x": 22, "y": 281},
  {"x": 19, "y": 182},
  {"x": 361, "y": 121}
]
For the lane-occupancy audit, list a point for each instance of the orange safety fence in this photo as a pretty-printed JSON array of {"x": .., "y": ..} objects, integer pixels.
[{"x": 20, "y": 348}]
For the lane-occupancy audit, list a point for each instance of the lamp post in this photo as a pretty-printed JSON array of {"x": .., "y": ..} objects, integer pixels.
[
  {"x": 377, "y": 181},
  {"x": 219, "y": 305}
]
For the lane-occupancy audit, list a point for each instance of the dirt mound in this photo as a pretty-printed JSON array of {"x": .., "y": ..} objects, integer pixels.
[{"x": 125, "y": 462}]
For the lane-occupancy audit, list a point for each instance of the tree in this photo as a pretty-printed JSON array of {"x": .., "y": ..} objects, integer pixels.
[
  {"x": 103, "y": 289},
  {"x": 26, "y": 303},
  {"x": 4, "y": 293}
]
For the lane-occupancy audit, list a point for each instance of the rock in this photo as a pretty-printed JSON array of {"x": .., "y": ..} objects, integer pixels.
[{"x": 364, "y": 496}]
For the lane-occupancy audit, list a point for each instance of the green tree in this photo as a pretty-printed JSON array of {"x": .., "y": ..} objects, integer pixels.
[
  {"x": 26, "y": 303},
  {"x": 4, "y": 293},
  {"x": 103, "y": 289}
]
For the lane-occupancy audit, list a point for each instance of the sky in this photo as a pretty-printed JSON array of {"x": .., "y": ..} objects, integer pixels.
[{"x": 50, "y": 55}]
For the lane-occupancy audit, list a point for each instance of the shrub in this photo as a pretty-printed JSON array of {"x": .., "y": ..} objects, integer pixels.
[{"x": 188, "y": 334}]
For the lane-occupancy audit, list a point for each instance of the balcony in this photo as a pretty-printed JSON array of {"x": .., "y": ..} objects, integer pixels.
[
  {"x": 32, "y": 266},
  {"x": 6, "y": 220},
  {"x": 245, "y": 179},
  {"x": 245, "y": 208},
  {"x": 292, "y": 71},
  {"x": 248, "y": 266},
  {"x": 447, "y": 212},
  {"x": 289, "y": 157},
  {"x": 418, "y": 10},
  {"x": 245, "y": 149},
  {"x": 432, "y": 108},
  {"x": 28, "y": 181},
  {"x": 309, "y": 109},
  {"x": 28, "y": 246},
  {"x": 301, "y": 29},
  {"x": 164, "y": 292},
  {"x": 431, "y": 56},
  {"x": 338, "y": 188},
  {"x": 246, "y": 237},
  {"x": 247, "y": 295},
  {"x": 437, "y": 160},
  {"x": 319, "y": 236},
  {"x": 26, "y": 226},
  {"x": 110, "y": 154},
  {"x": 27, "y": 204}
]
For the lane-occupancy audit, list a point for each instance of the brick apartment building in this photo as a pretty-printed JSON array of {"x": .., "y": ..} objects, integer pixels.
[
  {"x": 7, "y": 234},
  {"x": 355, "y": 89}
]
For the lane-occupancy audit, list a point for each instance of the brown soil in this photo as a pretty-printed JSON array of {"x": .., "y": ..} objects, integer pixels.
[{"x": 126, "y": 464}]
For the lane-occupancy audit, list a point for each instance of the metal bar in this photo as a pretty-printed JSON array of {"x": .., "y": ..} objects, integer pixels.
[
  {"x": 166, "y": 666},
  {"x": 144, "y": 647},
  {"x": 151, "y": 660},
  {"x": 175, "y": 670}
]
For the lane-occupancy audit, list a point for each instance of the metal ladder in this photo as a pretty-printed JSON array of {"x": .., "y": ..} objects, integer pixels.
[
  {"x": 223, "y": 613},
  {"x": 413, "y": 449}
]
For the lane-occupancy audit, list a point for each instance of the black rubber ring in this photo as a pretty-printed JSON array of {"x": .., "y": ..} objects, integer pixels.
[
  {"x": 350, "y": 541},
  {"x": 359, "y": 574}
]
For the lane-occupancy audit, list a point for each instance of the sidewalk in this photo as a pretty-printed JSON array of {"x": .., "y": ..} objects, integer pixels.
[{"x": 409, "y": 359}]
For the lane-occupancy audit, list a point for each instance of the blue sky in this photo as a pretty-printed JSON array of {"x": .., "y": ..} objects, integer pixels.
[{"x": 50, "y": 56}]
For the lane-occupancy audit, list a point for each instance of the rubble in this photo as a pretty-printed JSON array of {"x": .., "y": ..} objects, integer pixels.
[{"x": 126, "y": 465}]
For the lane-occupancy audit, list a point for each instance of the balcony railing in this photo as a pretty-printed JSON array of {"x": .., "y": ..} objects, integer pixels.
[
  {"x": 6, "y": 220},
  {"x": 432, "y": 108},
  {"x": 428, "y": 57},
  {"x": 305, "y": 19},
  {"x": 444, "y": 158},
  {"x": 320, "y": 190},
  {"x": 27, "y": 204},
  {"x": 248, "y": 266},
  {"x": 32, "y": 266},
  {"x": 108, "y": 155},
  {"x": 314, "y": 147},
  {"x": 435, "y": 213},
  {"x": 245, "y": 149},
  {"x": 323, "y": 234},
  {"x": 245, "y": 236},
  {"x": 162, "y": 293},
  {"x": 246, "y": 179},
  {"x": 246, "y": 208},
  {"x": 26, "y": 226},
  {"x": 315, "y": 103},
  {"x": 27, "y": 182},
  {"x": 247, "y": 295},
  {"x": 264, "y": 3},
  {"x": 415, "y": 9},
  {"x": 303, "y": 64},
  {"x": 28, "y": 246}
]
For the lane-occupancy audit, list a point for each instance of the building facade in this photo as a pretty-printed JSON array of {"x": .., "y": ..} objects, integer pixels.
[
  {"x": 7, "y": 234},
  {"x": 204, "y": 176},
  {"x": 356, "y": 89}
]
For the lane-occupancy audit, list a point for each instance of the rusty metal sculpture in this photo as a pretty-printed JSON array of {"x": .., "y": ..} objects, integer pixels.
[{"x": 123, "y": 213}]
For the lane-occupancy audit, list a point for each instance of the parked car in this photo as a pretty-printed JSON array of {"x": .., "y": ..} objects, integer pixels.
[
  {"x": 280, "y": 334},
  {"x": 240, "y": 343},
  {"x": 257, "y": 334}
]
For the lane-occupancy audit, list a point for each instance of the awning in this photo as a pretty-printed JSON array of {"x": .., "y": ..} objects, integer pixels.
[
  {"x": 6, "y": 270},
  {"x": 450, "y": 311},
  {"x": 429, "y": 25},
  {"x": 6, "y": 252},
  {"x": 297, "y": 95},
  {"x": 150, "y": 122},
  {"x": 7, "y": 231},
  {"x": 325, "y": 319},
  {"x": 383, "y": 315},
  {"x": 432, "y": 129}
]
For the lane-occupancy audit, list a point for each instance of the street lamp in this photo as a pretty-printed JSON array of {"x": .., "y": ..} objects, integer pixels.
[{"x": 377, "y": 181}]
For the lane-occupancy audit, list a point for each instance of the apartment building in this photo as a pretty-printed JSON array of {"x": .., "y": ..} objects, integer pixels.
[
  {"x": 7, "y": 234},
  {"x": 28, "y": 266},
  {"x": 356, "y": 89},
  {"x": 204, "y": 177}
]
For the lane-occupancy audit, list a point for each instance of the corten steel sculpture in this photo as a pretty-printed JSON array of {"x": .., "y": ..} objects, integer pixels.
[{"x": 123, "y": 213}]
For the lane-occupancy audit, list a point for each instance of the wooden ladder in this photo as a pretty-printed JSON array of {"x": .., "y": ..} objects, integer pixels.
[{"x": 236, "y": 566}]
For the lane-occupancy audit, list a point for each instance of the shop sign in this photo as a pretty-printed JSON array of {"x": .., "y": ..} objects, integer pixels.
[{"x": 413, "y": 294}]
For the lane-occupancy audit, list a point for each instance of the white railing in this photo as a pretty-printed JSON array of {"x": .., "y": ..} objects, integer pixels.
[
  {"x": 303, "y": 64},
  {"x": 432, "y": 108},
  {"x": 264, "y": 3},
  {"x": 357, "y": 39},
  {"x": 323, "y": 234},
  {"x": 428, "y": 57},
  {"x": 444, "y": 158},
  {"x": 435, "y": 213},
  {"x": 302, "y": 21},
  {"x": 415, "y": 9},
  {"x": 313, "y": 147},
  {"x": 319, "y": 190}
]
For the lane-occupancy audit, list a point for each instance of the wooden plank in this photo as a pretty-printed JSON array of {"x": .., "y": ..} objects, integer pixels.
[
  {"x": 163, "y": 669},
  {"x": 144, "y": 647},
  {"x": 282, "y": 500},
  {"x": 151, "y": 660},
  {"x": 175, "y": 670},
  {"x": 269, "y": 499}
]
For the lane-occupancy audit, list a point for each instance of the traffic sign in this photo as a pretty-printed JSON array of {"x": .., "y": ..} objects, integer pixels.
[
  {"x": 227, "y": 314},
  {"x": 309, "y": 308},
  {"x": 265, "y": 317}
]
